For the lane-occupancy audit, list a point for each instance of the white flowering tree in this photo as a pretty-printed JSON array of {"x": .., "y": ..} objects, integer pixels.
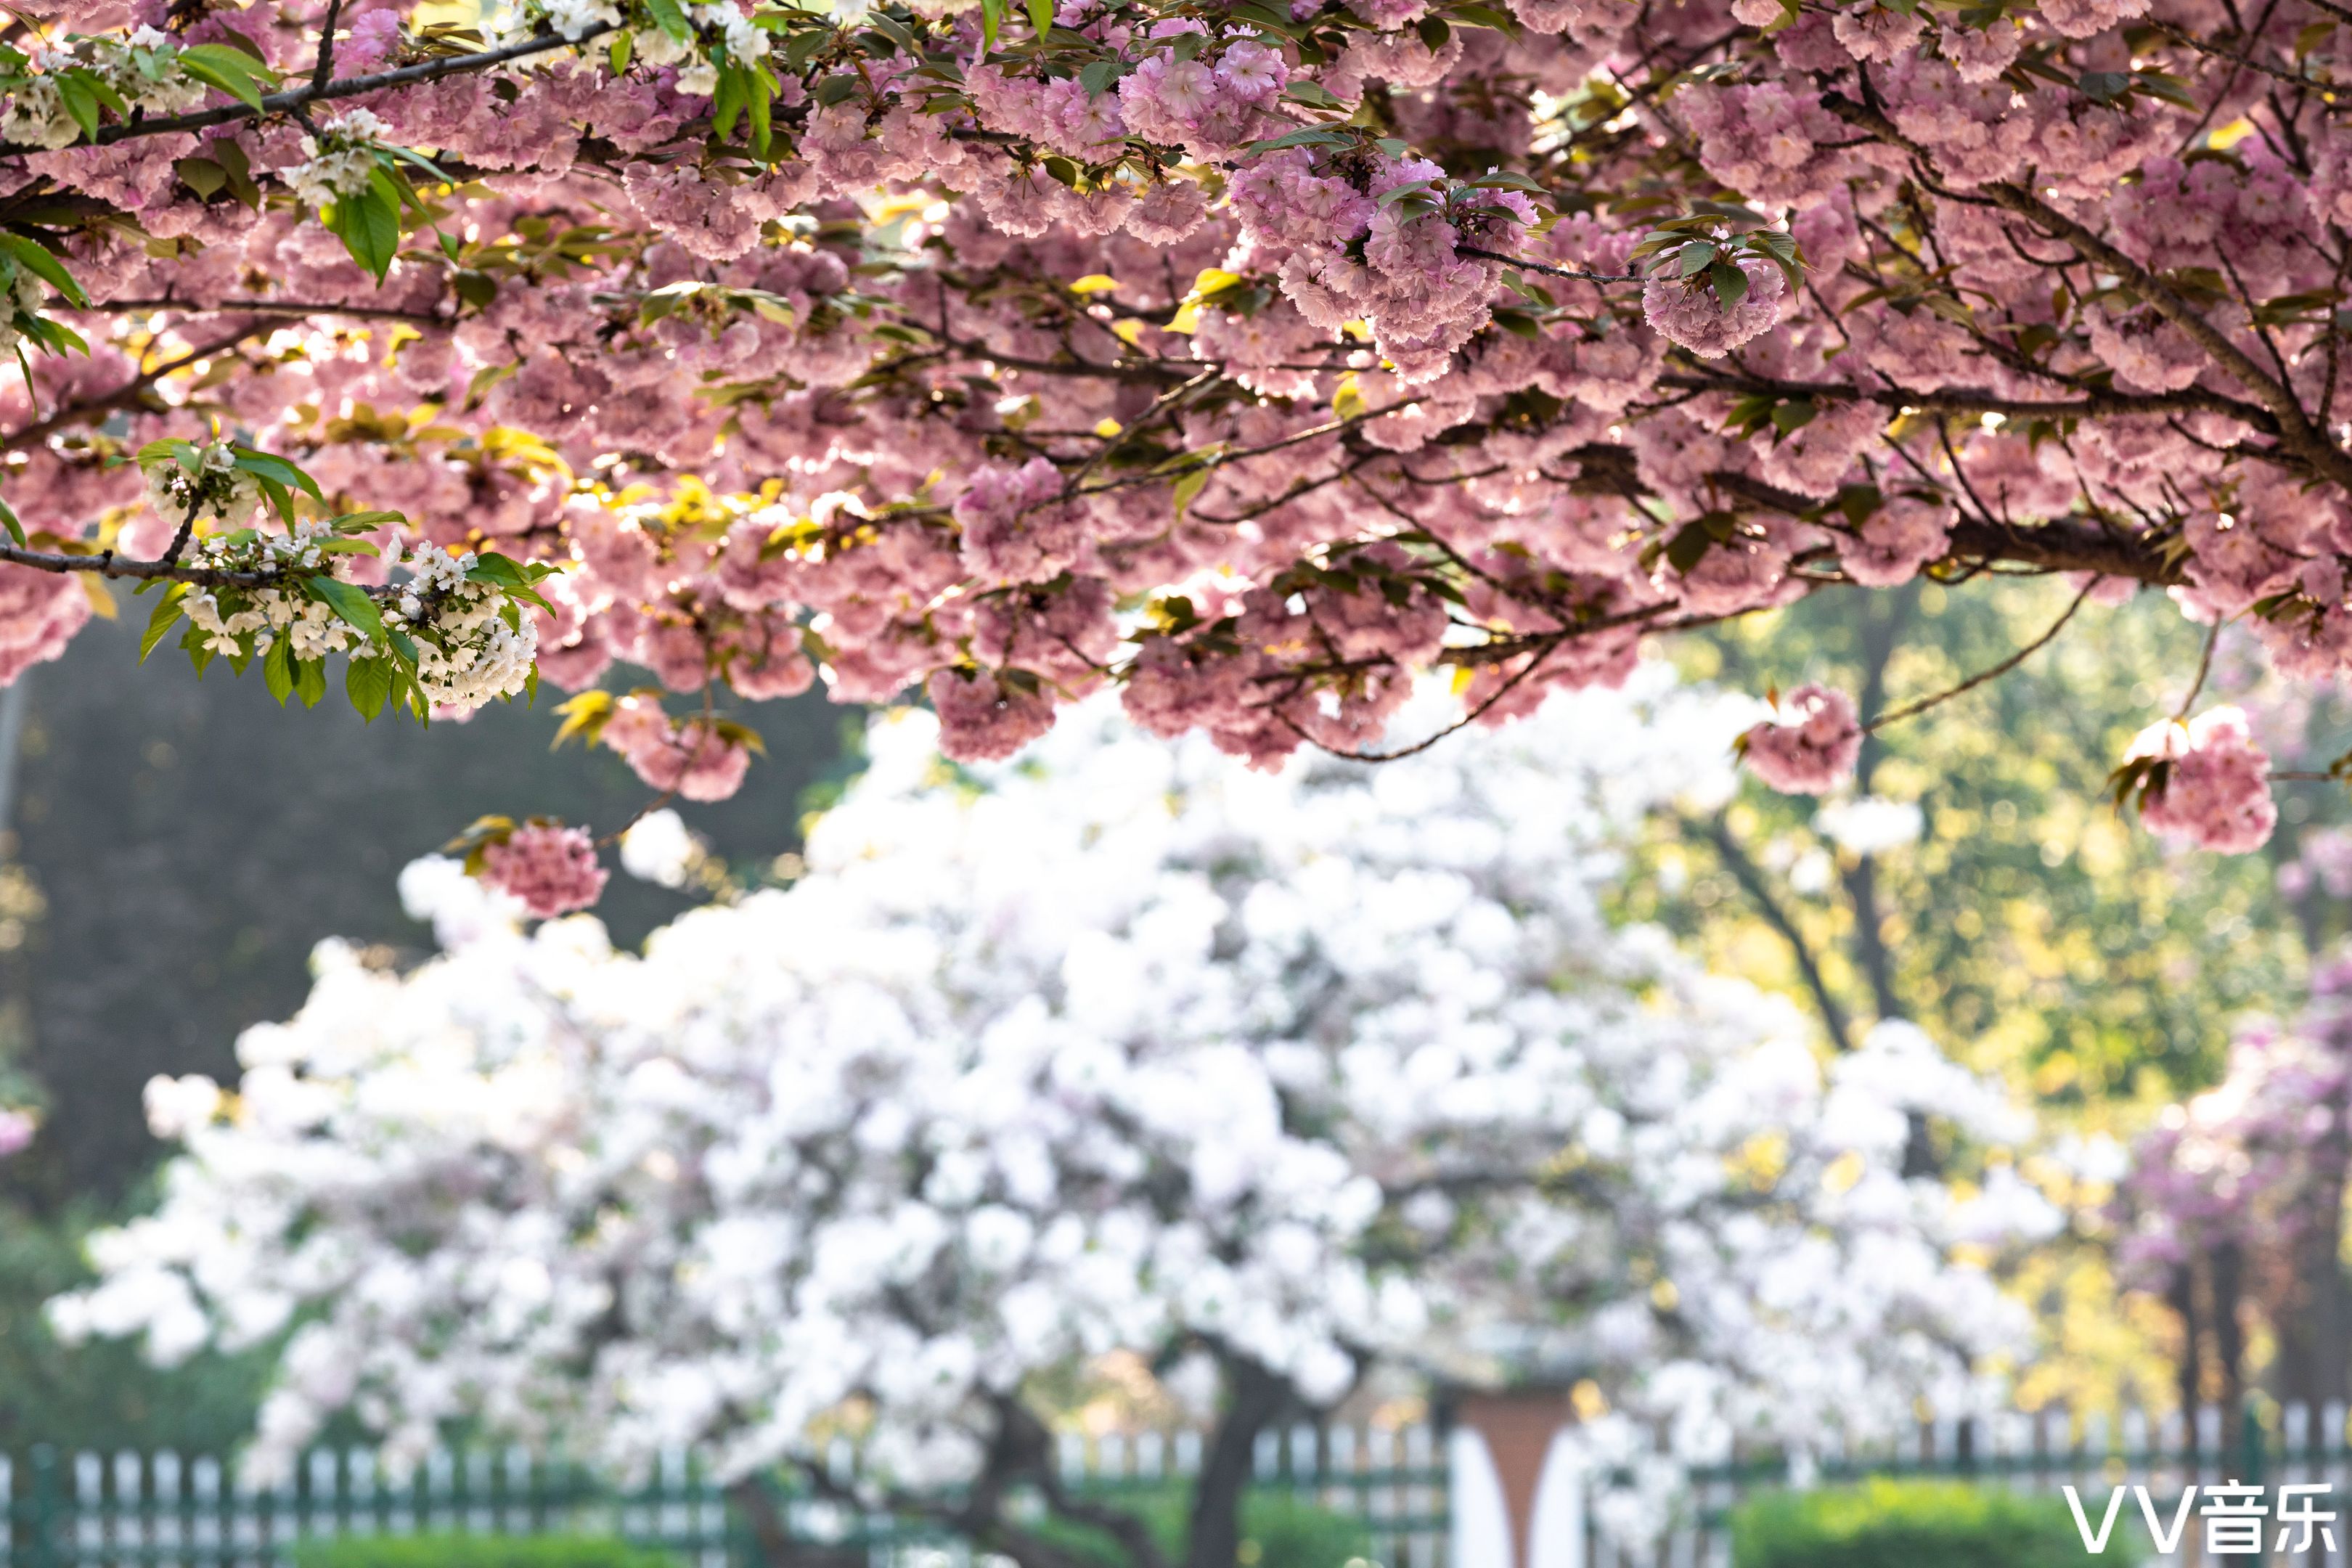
[{"x": 1268, "y": 1080}]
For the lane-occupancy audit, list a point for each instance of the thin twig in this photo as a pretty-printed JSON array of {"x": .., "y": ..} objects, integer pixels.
[
  {"x": 128, "y": 392},
  {"x": 1895, "y": 715},
  {"x": 180, "y": 540},
  {"x": 1464, "y": 722},
  {"x": 1548, "y": 271},
  {"x": 643, "y": 812},
  {"x": 2204, "y": 667},
  {"x": 324, "y": 71}
]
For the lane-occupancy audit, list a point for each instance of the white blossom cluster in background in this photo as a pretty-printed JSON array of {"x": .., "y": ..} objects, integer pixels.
[{"x": 1117, "y": 1045}]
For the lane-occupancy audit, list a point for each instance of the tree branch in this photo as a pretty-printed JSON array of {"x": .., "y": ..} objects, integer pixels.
[
  {"x": 107, "y": 563},
  {"x": 1750, "y": 877},
  {"x": 280, "y": 308},
  {"x": 1971, "y": 400},
  {"x": 129, "y": 392},
  {"x": 1908, "y": 709},
  {"x": 349, "y": 86}
]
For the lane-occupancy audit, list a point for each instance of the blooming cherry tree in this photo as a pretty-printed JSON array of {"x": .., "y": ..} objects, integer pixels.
[
  {"x": 1247, "y": 357},
  {"x": 2235, "y": 1198},
  {"x": 1268, "y": 1080}
]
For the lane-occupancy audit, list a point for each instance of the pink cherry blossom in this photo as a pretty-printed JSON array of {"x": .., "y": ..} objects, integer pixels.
[
  {"x": 1811, "y": 743},
  {"x": 2215, "y": 791},
  {"x": 552, "y": 870}
]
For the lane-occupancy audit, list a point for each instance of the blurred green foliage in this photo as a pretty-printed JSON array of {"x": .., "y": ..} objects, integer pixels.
[
  {"x": 2031, "y": 930},
  {"x": 458, "y": 1549},
  {"x": 1905, "y": 1524},
  {"x": 1278, "y": 1530},
  {"x": 103, "y": 1394}
]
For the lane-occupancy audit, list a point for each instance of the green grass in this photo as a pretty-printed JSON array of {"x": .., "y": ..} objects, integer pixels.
[
  {"x": 468, "y": 1550},
  {"x": 1910, "y": 1524}
]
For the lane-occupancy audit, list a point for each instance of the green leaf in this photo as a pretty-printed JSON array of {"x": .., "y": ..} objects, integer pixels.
[
  {"x": 36, "y": 259},
  {"x": 1434, "y": 33},
  {"x": 183, "y": 453},
  {"x": 366, "y": 521},
  {"x": 107, "y": 96},
  {"x": 1040, "y": 15},
  {"x": 991, "y": 18},
  {"x": 763, "y": 92},
  {"x": 280, "y": 499},
  {"x": 584, "y": 717},
  {"x": 514, "y": 577},
  {"x": 310, "y": 680},
  {"x": 2104, "y": 87},
  {"x": 1273, "y": 18},
  {"x": 368, "y": 683},
  {"x": 8, "y": 520},
  {"x": 56, "y": 336},
  {"x": 489, "y": 566},
  {"x": 352, "y": 605},
  {"x": 74, "y": 91},
  {"x": 168, "y": 611},
  {"x": 1687, "y": 547},
  {"x": 479, "y": 289},
  {"x": 1730, "y": 284},
  {"x": 1188, "y": 486},
  {"x": 1696, "y": 258},
  {"x": 202, "y": 175},
  {"x": 727, "y": 100},
  {"x": 1307, "y": 136},
  {"x": 1484, "y": 16},
  {"x": 1518, "y": 322},
  {"x": 369, "y": 226},
  {"x": 893, "y": 30},
  {"x": 2171, "y": 88},
  {"x": 232, "y": 70},
  {"x": 670, "y": 18},
  {"x": 270, "y": 465},
  {"x": 277, "y": 669}
]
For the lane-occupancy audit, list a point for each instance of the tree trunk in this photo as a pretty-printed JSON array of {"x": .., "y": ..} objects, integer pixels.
[
  {"x": 2229, "y": 1335},
  {"x": 2182, "y": 1294},
  {"x": 1254, "y": 1397}
]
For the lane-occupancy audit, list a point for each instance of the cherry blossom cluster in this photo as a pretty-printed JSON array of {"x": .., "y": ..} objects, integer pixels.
[
  {"x": 1269, "y": 1079},
  {"x": 2204, "y": 782},
  {"x": 1247, "y": 359},
  {"x": 546, "y": 868},
  {"x": 452, "y": 637}
]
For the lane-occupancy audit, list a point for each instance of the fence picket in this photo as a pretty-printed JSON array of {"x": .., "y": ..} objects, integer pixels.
[{"x": 163, "y": 1510}]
